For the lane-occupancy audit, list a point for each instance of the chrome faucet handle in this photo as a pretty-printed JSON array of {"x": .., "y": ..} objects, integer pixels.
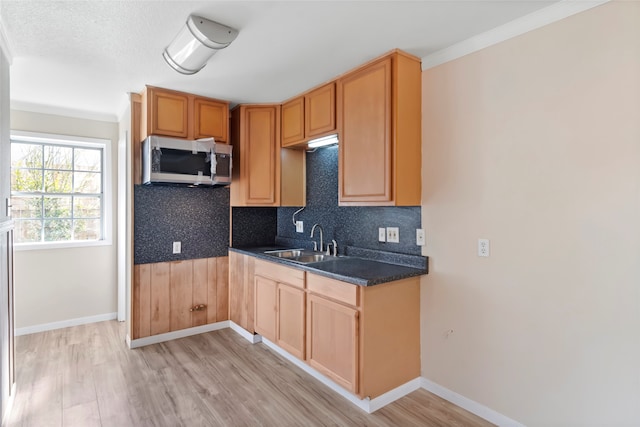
[
  {"x": 315, "y": 246},
  {"x": 335, "y": 247}
]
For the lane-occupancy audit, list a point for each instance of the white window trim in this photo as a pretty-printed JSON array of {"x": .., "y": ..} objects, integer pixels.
[{"x": 107, "y": 214}]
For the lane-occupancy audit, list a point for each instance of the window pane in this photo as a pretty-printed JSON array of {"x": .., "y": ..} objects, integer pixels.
[
  {"x": 57, "y": 181},
  {"x": 87, "y": 159},
  {"x": 56, "y": 157},
  {"x": 86, "y": 229},
  {"x": 86, "y": 207},
  {"x": 26, "y": 155},
  {"x": 57, "y": 207},
  {"x": 57, "y": 229},
  {"x": 88, "y": 182},
  {"x": 26, "y": 207},
  {"x": 26, "y": 180},
  {"x": 27, "y": 231}
]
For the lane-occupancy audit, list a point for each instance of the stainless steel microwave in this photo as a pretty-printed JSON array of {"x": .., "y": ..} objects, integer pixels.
[{"x": 178, "y": 161}]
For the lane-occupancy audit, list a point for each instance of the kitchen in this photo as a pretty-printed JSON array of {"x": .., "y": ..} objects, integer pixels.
[{"x": 493, "y": 325}]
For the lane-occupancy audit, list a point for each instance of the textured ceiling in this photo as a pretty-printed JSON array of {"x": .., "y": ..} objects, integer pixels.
[{"x": 85, "y": 56}]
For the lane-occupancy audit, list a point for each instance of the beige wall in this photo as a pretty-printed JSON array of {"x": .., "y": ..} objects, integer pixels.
[
  {"x": 62, "y": 284},
  {"x": 534, "y": 143}
]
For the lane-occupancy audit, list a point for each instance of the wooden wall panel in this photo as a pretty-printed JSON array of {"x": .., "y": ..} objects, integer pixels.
[
  {"x": 181, "y": 294},
  {"x": 200, "y": 291},
  {"x": 160, "y": 298},
  {"x": 222, "y": 289},
  {"x": 164, "y": 293},
  {"x": 142, "y": 300}
]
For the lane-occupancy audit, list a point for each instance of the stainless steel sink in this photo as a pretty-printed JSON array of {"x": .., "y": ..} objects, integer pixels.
[
  {"x": 285, "y": 253},
  {"x": 300, "y": 255}
]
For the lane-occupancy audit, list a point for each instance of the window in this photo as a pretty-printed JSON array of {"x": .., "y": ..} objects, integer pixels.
[{"x": 58, "y": 189}]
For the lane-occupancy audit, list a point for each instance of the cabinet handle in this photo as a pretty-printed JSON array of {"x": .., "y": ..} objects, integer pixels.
[{"x": 198, "y": 307}]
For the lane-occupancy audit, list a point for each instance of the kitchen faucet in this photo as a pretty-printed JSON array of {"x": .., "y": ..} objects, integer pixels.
[{"x": 315, "y": 245}]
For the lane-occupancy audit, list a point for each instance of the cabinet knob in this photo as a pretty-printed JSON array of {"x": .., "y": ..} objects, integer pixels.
[{"x": 198, "y": 307}]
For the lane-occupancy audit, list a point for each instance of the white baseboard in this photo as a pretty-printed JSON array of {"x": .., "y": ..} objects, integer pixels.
[
  {"x": 366, "y": 404},
  {"x": 470, "y": 405},
  {"x": 64, "y": 324},
  {"x": 182, "y": 333},
  {"x": 252, "y": 338}
]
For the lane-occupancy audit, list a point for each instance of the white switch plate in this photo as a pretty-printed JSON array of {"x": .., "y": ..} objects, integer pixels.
[
  {"x": 177, "y": 247},
  {"x": 419, "y": 237},
  {"x": 382, "y": 234},
  {"x": 299, "y": 227},
  {"x": 393, "y": 235},
  {"x": 483, "y": 247}
]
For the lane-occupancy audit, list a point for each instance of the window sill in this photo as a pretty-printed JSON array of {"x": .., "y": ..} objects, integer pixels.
[{"x": 60, "y": 245}]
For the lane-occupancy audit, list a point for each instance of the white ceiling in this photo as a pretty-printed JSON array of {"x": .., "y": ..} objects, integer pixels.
[{"x": 85, "y": 56}]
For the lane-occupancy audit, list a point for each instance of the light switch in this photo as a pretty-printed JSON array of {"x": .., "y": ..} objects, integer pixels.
[{"x": 177, "y": 247}]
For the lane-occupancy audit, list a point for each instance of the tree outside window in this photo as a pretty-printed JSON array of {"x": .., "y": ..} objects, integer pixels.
[{"x": 57, "y": 192}]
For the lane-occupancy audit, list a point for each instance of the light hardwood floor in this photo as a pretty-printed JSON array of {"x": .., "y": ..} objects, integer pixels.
[{"x": 85, "y": 376}]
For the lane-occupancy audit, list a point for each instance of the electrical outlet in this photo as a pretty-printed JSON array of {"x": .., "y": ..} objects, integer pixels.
[
  {"x": 419, "y": 237},
  {"x": 299, "y": 227},
  {"x": 483, "y": 247},
  {"x": 177, "y": 247},
  {"x": 382, "y": 234},
  {"x": 393, "y": 235}
]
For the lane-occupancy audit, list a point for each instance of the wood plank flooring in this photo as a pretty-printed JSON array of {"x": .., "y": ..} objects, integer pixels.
[{"x": 85, "y": 376}]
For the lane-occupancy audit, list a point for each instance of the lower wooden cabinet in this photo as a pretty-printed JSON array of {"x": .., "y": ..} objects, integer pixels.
[
  {"x": 365, "y": 338},
  {"x": 280, "y": 306},
  {"x": 241, "y": 290},
  {"x": 169, "y": 296},
  {"x": 266, "y": 291},
  {"x": 332, "y": 342},
  {"x": 291, "y": 331}
]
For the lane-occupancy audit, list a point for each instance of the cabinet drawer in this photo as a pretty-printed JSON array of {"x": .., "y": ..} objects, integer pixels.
[
  {"x": 334, "y": 289},
  {"x": 280, "y": 273}
]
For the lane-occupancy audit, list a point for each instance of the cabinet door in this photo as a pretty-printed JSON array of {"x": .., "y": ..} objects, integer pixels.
[
  {"x": 169, "y": 113},
  {"x": 365, "y": 135},
  {"x": 291, "y": 320},
  {"x": 261, "y": 154},
  {"x": 320, "y": 111},
  {"x": 265, "y": 307},
  {"x": 293, "y": 122},
  {"x": 332, "y": 340},
  {"x": 241, "y": 290},
  {"x": 211, "y": 119}
]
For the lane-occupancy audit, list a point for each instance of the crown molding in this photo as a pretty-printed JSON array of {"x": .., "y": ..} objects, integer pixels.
[
  {"x": 62, "y": 111},
  {"x": 530, "y": 22}
]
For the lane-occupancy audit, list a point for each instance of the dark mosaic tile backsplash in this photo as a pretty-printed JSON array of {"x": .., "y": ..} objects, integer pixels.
[
  {"x": 197, "y": 217},
  {"x": 349, "y": 226}
]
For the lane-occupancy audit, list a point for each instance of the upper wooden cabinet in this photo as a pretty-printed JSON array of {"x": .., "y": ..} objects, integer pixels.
[
  {"x": 379, "y": 122},
  {"x": 263, "y": 173},
  {"x": 183, "y": 115},
  {"x": 309, "y": 116},
  {"x": 255, "y": 131}
]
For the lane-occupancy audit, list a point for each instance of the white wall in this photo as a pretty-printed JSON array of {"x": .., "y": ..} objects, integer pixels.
[
  {"x": 61, "y": 284},
  {"x": 534, "y": 143}
]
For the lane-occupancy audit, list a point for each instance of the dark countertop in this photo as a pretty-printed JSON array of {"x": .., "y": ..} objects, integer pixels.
[{"x": 356, "y": 270}]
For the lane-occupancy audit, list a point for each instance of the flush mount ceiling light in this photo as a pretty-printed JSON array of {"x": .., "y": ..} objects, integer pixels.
[
  {"x": 324, "y": 141},
  {"x": 198, "y": 41}
]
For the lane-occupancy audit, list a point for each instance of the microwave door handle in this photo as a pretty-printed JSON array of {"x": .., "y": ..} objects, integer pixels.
[{"x": 214, "y": 163}]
